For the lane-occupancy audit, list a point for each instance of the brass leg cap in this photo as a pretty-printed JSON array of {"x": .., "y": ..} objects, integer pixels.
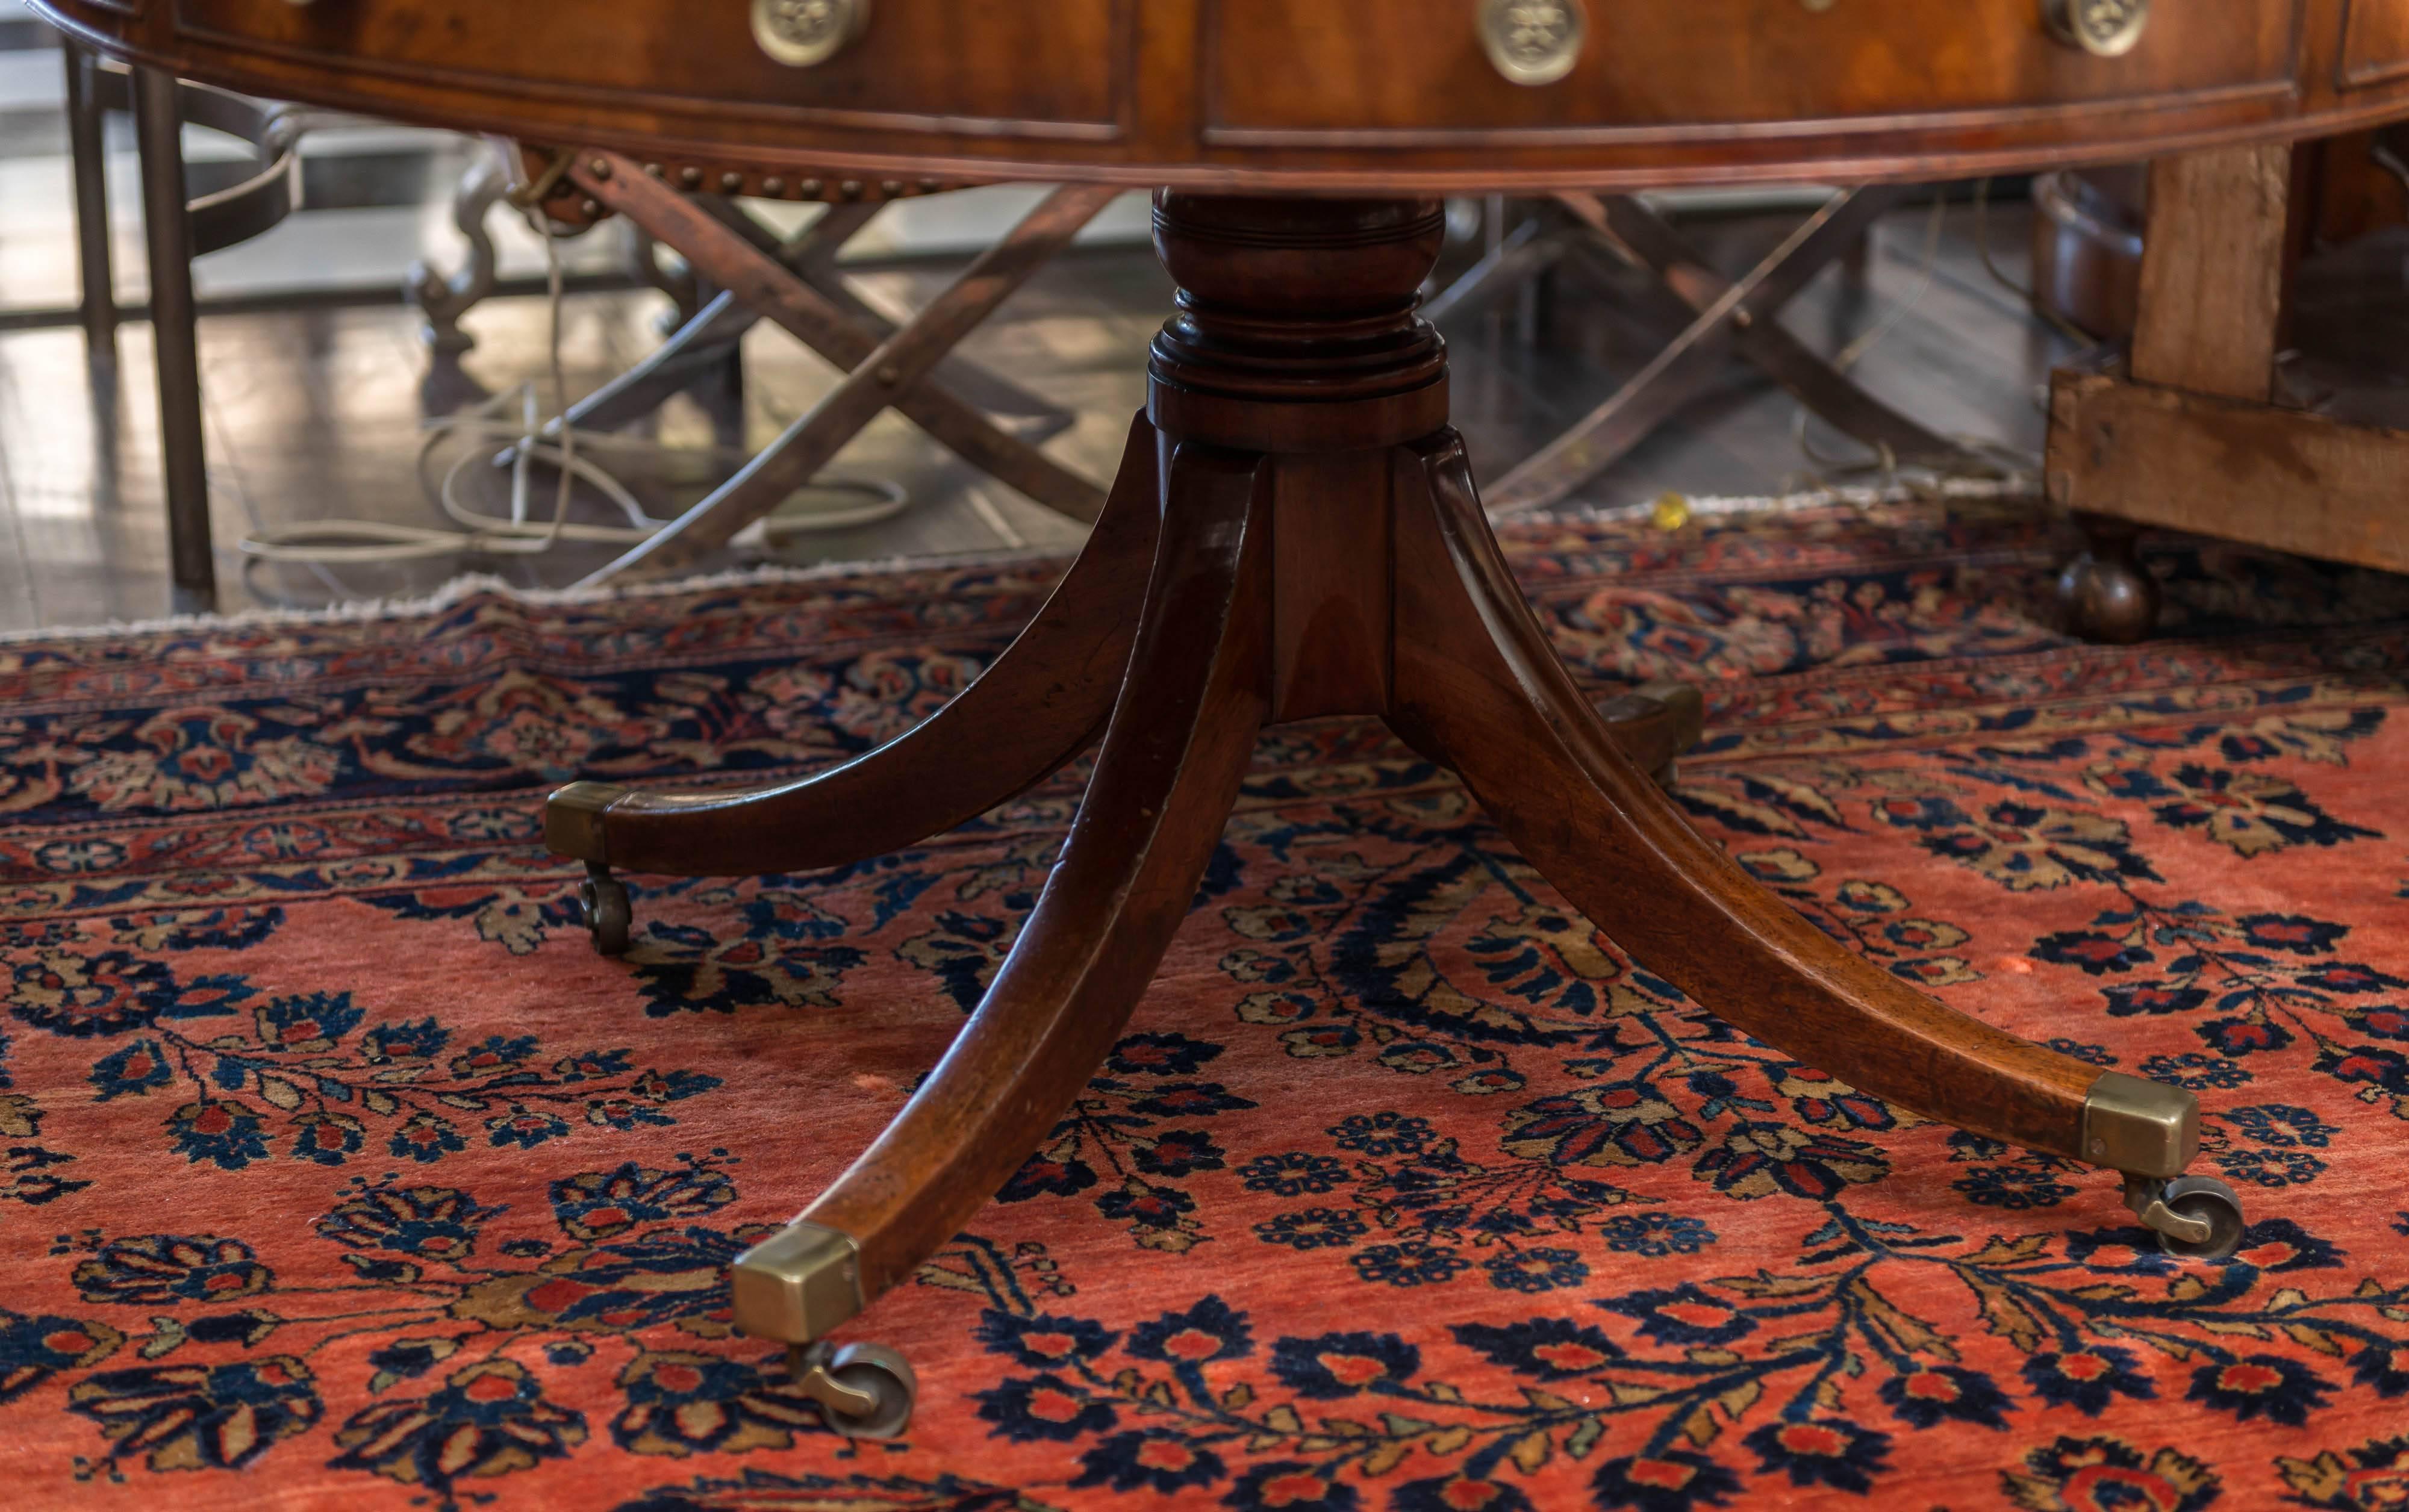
[
  {"x": 573, "y": 820},
  {"x": 797, "y": 1285},
  {"x": 2143, "y": 1129}
]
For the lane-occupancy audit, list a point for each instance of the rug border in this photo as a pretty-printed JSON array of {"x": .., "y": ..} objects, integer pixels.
[{"x": 472, "y": 584}]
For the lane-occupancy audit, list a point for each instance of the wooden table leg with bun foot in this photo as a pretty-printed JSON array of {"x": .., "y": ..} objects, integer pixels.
[
  {"x": 1318, "y": 548},
  {"x": 2188, "y": 433}
]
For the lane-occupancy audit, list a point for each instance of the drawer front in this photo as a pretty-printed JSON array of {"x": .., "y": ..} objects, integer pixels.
[
  {"x": 1275, "y": 67},
  {"x": 2374, "y": 42},
  {"x": 1006, "y": 66}
]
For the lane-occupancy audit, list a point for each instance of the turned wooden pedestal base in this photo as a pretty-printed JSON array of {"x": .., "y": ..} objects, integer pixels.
[{"x": 1295, "y": 533}]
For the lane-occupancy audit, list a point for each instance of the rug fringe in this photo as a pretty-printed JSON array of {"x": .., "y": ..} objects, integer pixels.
[
  {"x": 1853, "y": 496},
  {"x": 472, "y": 584}
]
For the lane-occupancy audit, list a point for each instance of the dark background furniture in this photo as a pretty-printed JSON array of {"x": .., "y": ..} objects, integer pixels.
[
  {"x": 178, "y": 228},
  {"x": 2194, "y": 429}
]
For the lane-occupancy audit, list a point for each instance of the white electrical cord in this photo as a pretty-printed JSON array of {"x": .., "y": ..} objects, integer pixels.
[{"x": 335, "y": 542}]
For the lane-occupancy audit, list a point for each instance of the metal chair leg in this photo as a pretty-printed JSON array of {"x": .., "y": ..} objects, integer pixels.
[
  {"x": 700, "y": 342},
  {"x": 158, "y": 128},
  {"x": 87, "y": 151},
  {"x": 444, "y": 298},
  {"x": 1521, "y": 255}
]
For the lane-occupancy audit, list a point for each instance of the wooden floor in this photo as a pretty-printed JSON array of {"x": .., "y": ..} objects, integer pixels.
[{"x": 322, "y": 414}]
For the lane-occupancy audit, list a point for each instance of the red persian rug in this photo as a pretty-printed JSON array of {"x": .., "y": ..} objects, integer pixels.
[{"x": 338, "y": 1168}]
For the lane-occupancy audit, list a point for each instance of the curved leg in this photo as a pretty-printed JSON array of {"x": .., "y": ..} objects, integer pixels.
[
  {"x": 1037, "y": 708},
  {"x": 1478, "y": 680},
  {"x": 1164, "y": 786}
]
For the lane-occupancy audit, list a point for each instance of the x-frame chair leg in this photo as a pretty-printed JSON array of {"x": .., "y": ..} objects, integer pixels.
[
  {"x": 812, "y": 257},
  {"x": 813, "y": 260},
  {"x": 1693, "y": 361},
  {"x": 881, "y": 375},
  {"x": 1691, "y": 286},
  {"x": 700, "y": 342}
]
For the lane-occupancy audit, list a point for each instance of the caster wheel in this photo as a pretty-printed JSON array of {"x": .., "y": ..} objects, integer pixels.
[
  {"x": 608, "y": 911},
  {"x": 884, "y": 1376},
  {"x": 2211, "y": 1201}
]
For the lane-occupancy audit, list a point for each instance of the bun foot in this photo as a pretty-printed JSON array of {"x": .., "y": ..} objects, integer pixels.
[{"x": 2106, "y": 594}]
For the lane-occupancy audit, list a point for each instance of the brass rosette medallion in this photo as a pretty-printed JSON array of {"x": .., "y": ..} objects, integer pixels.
[
  {"x": 804, "y": 34},
  {"x": 1534, "y": 42},
  {"x": 2104, "y": 28}
]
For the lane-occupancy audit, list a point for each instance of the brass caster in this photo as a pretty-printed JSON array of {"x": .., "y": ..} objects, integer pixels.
[
  {"x": 608, "y": 911},
  {"x": 2196, "y": 1217},
  {"x": 864, "y": 1390}
]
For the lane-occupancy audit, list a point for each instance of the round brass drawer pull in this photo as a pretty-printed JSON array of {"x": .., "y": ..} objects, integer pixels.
[
  {"x": 804, "y": 34},
  {"x": 1534, "y": 41},
  {"x": 2103, "y": 28}
]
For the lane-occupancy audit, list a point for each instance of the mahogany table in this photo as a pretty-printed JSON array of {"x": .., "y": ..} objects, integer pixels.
[{"x": 1294, "y": 532}]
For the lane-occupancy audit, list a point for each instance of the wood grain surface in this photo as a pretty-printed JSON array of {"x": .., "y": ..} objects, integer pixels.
[
  {"x": 2213, "y": 272},
  {"x": 1307, "y": 94},
  {"x": 2229, "y": 468}
]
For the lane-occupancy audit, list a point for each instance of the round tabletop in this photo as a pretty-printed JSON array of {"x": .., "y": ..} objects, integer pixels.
[{"x": 1323, "y": 95}]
